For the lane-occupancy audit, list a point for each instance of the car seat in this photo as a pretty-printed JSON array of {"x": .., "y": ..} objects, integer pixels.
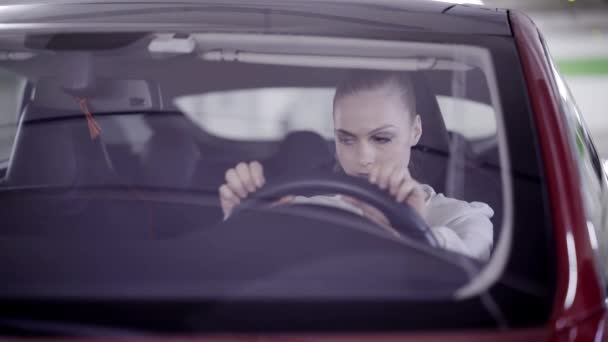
[
  {"x": 446, "y": 160},
  {"x": 428, "y": 161},
  {"x": 300, "y": 153},
  {"x": 53, "y": 145},
  {"x": 54, "y": 150}
]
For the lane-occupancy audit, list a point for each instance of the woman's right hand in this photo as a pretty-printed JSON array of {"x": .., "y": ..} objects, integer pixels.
[{"x": 241, "y": 180}]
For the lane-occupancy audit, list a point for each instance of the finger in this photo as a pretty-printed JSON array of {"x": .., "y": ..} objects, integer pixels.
[
  {"x": 417, "y": 197},
  {"x": 257, "y": 172},
  {"x": 227, "y": 207},
  {"x": 395, "y": 180},
  {"x": 373, "y": 174},
  {"x": 405, "y": 189},
  {"x": 228, "y": 200},
  {"x": 234, "y": 183},
  {"x": 384, "y": 175},
  {"x": 226, "y": 194},
  {"x": 407, "y": 174},
  {"x": 242, "y": 170},
  {"x": 417, "y": 200}
]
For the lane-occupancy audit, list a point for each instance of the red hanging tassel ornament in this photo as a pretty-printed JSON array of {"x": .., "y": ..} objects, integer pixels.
[{"x": 94, "y": 128}]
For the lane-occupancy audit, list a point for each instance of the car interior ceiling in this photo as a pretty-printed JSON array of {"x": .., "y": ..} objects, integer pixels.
[{"x": 198, "y": 160}]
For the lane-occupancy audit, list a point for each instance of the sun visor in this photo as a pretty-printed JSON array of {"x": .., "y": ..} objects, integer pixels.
[{"x": 88, "y": 41}]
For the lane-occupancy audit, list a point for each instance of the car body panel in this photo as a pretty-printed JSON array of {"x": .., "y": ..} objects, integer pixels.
[
  {"x": 579, "y": 294},
  {"x": 337, "y": 18},
  {"x": 523, "y": 335},
  {"x": 579, "y": 303}
]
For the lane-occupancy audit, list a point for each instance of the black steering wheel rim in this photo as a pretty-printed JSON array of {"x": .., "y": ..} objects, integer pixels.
[{"x": 401, "y": 217}]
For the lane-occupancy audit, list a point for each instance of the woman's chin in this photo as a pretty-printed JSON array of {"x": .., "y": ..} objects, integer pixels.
[{"x": 361, "y": 175}]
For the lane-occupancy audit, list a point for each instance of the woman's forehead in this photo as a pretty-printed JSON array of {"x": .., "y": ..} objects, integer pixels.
[{"x": 367, "y": 110}]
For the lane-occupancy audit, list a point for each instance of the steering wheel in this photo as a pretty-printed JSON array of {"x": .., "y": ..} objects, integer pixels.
[{"x": 401, "y": 217}]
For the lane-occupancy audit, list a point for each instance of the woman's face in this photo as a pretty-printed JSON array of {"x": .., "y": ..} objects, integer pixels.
[{"x": 373, "y": 127}]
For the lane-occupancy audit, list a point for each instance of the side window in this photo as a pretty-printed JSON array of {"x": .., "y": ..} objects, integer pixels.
[
  {"x": 474, "y": 120},
  {"x": 11, "y": 97},
  {"x": 592, "y": 179},
  {"x": 262, "y": 113}
]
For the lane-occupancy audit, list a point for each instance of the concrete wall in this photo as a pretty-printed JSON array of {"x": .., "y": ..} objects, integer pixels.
[
  {"x": 11, "y": 89},
  {"x": 591, "y": 95},
  {"x": 578, "y": 41}
]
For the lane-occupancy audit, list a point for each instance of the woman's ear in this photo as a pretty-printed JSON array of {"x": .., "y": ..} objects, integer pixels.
[{"x": 416, "y": 130}]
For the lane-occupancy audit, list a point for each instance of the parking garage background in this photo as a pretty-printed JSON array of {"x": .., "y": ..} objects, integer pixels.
[{"x": 576, "y": 32}]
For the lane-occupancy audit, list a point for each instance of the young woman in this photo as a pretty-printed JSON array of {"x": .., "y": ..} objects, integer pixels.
[{"x": 376, "y": 125}]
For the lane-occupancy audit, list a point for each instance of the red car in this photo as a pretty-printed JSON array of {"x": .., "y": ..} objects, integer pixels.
[{"x": 234, "y": 170}]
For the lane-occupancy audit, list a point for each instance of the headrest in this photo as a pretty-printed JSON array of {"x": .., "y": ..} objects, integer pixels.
[
  {"x": 434, "y": 132},
  {"x": 298, "y": 153}
]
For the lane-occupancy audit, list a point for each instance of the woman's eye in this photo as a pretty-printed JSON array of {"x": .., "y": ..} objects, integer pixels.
[
  {"x": 346, "y": 141},
  {"x": 382, "y": 140}
]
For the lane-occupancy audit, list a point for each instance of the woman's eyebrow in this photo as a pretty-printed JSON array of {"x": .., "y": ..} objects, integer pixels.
[
  {"x": 376, "y": 130},
  {"x": 341, "y": 131}
]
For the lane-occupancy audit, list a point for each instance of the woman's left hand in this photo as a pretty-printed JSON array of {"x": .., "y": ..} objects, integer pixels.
[{"x": 396, "y": 179}]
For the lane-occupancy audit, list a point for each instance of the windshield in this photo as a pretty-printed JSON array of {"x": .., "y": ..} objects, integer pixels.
[{"x": 237, "y": 166}]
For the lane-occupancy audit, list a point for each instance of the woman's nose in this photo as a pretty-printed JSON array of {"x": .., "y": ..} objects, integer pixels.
[{"x": 366, "y": 155}]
